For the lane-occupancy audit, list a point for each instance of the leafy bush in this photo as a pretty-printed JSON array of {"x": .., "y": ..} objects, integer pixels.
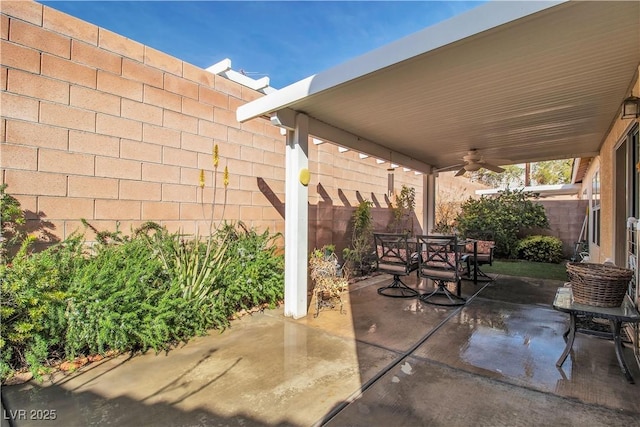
[
  {"x": 255, "y": 272},
  {"x": 34, "y": 291},
  {"x": 358, "y": 257},
  {"x": 540, "y": 249},
  {"x": 12, "y": 219},
  {"x": 506, "y": 215},
  {"x": 116, "y": 301},
  {"x": 130, "y": 294},
  {"x": 403, "y": 210}
]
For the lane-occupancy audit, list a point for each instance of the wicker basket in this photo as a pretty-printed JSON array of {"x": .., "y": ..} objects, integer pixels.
[{"x": 598, "y": 284}]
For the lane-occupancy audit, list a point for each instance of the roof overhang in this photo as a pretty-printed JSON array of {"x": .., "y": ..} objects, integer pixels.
[{"x": 524, "y": 81}]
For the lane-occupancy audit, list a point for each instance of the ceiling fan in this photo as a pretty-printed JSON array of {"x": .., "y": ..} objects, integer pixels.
[{"x": 473, "y": 161}]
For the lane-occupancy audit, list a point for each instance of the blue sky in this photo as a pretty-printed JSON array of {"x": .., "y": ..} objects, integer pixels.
[{"x": 285, "y": 40}]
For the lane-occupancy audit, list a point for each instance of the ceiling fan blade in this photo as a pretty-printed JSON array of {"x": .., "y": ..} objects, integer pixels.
[
  {"x": 460, "y": 172},
  {"x": 498, "y": 161},
  {"x": 493, "y": 168},
  {"x": 450, "y": 168}
]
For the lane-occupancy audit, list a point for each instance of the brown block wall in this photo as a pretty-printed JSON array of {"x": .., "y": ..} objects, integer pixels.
[
  {"x": 101, "y": 127},
  {"x": 566, "y": 218}
]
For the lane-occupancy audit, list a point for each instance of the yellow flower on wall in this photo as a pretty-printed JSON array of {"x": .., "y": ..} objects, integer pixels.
[
  {"x": 225, "y": 179},
  {"x": 216, "y": 156},
  {"x": 201, "y": 183}
]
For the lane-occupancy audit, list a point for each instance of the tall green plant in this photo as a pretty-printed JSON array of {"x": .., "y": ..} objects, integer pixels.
[
  {"x": 506, "y": 215},
  {"x": 403, "y": 210},
  {"x": 359, "y": 255},
  {"x": 196, "y": 266}
]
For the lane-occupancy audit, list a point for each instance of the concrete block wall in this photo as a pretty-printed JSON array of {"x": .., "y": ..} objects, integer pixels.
[
  {"x": 101, "y": 127},
  {"x": 566, "y": 218}
]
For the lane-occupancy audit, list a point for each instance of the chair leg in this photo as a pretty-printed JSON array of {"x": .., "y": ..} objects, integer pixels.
[
  {"x": 451, "y": 299},
  {"x": 398, "y": 289},
  {"x": 485, "y": 276}
]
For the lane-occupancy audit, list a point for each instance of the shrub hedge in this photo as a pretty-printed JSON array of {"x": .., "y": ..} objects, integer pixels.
[
  {"x": 128, "y": 292},
  {"x": 540, "y": 249}
]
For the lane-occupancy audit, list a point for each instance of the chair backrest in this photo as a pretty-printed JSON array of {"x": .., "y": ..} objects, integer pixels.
[
  {"x": 485, "y": 241},
  {"x": 393, "y": 251},
  {"x": 439, "y": 254},
  {"x": 484, "y": 247}
]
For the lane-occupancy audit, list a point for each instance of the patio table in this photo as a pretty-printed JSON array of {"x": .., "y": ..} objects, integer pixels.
[{"x": 616, "y": 316}]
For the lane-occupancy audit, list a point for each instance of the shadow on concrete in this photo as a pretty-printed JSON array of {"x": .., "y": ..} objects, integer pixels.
[{"x": 83, "y": 408}]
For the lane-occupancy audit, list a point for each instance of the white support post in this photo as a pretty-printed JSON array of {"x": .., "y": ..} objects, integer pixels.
[
  {"x": 428, "y": 202},
  {"x": 296, "y": 229}
]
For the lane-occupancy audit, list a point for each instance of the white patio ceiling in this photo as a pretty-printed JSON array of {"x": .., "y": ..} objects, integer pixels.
[{"x": 524, "y": 81}]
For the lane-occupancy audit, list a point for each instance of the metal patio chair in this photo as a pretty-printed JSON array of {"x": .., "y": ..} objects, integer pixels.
[
  {"x": 397, "y": 256},
  {"x": 442, "y": 262}
]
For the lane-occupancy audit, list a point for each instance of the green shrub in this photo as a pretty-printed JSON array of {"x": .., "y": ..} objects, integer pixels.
[
  {"x": 114, "y": 301},
  {"x": 505, "y": 215},
  {"x": 540, "y": 249},
  {"x": 358, "y": 257},
  {"x": 34, "y": 291},
  {"x": 148, "y": 290},
  {"x": 12, "y": 220},
  {"x": 255, "y": 273}
]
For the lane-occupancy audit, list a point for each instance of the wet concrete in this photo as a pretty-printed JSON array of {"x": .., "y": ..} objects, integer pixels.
[{"x": 384, "y": 361}]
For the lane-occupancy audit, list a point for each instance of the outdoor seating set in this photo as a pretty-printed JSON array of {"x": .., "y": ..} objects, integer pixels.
[{"x": 441, "y": 258}]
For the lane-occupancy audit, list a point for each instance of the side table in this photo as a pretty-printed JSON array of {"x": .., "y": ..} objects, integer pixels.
[{"x": 616, "y": 316}]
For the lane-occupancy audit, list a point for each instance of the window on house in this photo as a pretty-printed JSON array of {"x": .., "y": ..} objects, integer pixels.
[
  {"x": 635, "y": 174},
  {"x": 595, "y": 209}
]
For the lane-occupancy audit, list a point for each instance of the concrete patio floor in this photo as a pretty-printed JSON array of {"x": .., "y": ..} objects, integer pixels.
[{"x": 383, "y": 362}]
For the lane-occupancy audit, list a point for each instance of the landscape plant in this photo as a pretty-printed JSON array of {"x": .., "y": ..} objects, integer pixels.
[
  {"x": 147, "y": 290},
  {"x": 34, "y": 290},
  {"x": 12, "y": 219},
  {"x": 540, "y": 249},
  {"x": 359, "y": 256},
  {"x": 254, "y": 273},
  {"x": 506, "y": 215},
  {"x": 405, "y": 205}
]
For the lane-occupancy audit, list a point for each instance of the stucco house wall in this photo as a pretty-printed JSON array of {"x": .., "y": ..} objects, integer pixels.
[
  {"x": 101, "y": 127},
  {"x": 605, "y": 164}
]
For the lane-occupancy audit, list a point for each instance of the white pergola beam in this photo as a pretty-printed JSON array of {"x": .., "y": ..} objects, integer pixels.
[
  {"x": 287, "y": 118},
  {"x": 356, "y": 143}
]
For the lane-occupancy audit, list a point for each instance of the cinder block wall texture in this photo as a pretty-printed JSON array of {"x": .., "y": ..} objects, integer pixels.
[{"x": 101, "y": 127}]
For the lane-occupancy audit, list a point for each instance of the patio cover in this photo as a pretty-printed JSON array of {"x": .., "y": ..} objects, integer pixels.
[{"x": 524, "y": 81}]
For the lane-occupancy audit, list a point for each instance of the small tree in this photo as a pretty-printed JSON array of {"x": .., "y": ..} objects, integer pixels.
[
  {"x": 358, "y": 256},
  {"x": 506, "y": 215},
  {"x": 403, "y": 210}
]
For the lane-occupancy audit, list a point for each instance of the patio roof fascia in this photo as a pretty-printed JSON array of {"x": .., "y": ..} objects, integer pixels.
[{"x": 471, "y": 23}]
